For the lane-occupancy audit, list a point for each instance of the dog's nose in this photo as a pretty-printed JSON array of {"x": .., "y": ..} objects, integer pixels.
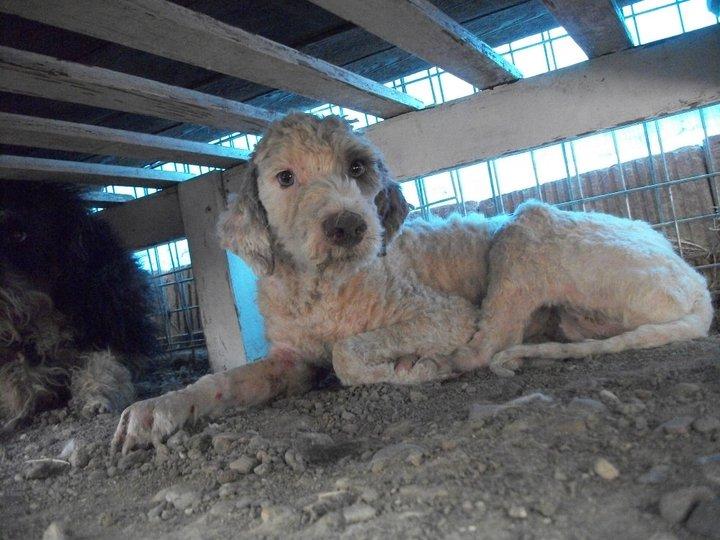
[{"x": 344, "y": 229}]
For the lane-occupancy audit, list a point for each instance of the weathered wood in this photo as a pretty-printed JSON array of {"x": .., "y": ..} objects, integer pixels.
[
  {"x": 38, "y": 75},
  {"x": 420, "y": 28},
  {"x": 652, "y": 80},
  {"x": 55, "y": 170},
  {"x": 201, "y": 202},
  {"x": 596, "y": 25},
  {"x": 172, "y": 31},
  {"x": 24, "y": 130},
  {"x": 104, "y": 199},
  {"x": 147, "y": 221}
]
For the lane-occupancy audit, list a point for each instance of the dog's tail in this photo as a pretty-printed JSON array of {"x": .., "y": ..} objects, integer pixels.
[{"x": 693, "y": 325}]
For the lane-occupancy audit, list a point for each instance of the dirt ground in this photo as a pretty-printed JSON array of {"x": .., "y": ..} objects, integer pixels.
[{"x": 623, "y": 446}]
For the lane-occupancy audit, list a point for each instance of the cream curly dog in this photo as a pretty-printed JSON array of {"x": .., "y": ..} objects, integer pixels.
[{"x": 341, "y": 283}]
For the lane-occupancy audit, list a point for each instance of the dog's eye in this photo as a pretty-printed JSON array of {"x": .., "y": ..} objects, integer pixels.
[
  {"x": 357, "y": 168},
  {"x": 286, "y": 178}
]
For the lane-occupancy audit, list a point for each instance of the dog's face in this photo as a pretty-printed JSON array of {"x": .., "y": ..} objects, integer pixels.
[{"x": 315, "y": 192}]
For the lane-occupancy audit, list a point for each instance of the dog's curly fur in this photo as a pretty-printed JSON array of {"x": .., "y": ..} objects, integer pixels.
[
  {"x": 73, "y": 305},
  {"x": 331, "y": 298}
]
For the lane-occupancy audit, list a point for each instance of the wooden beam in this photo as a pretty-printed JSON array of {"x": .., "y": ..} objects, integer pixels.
[
  {"x": 23, "y": 72},
  {"x": 596, "y": 25},
  {"x": 147, "y": 221},
  {"x": 104, "y": 199},
  {"x": 643, "y": 82},
  {"x": 201, "y": 202},
  {"x": 420, "y": 28},
  {"x": 54, "y": 170},
  {"x": 166, "y": 29},
  {"x": 21, "y": 130}
]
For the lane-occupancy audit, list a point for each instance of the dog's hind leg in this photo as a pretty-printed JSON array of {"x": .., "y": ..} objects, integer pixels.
[
  {"x": 101, "y": 384},
  {"x": 693, "y": 325}
]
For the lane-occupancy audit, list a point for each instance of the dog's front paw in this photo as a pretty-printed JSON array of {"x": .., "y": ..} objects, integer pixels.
[
  {"x": 504, "y": 364},
  {"x": 153, "y": 420}
]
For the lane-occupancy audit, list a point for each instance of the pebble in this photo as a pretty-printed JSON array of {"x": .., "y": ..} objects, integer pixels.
[
  {"x": 605, "y": 470},
  {"x": 38, "y": 470},
  {"x": 686, "y": 389},
  {"x": 244, "y": 464},
  {"x": 320, "y": 448},
  {"x": 178, "y": 440},
  {"x": 396, "y": 453},
  {"x": 181, "y": 496},
  {"x": 263, "y": 469},
  {"x": 225, "y": 476},
  {"x": 79, "y": 457},
  {"x": 706, "y": 424},
  {"x": 655, "y": 475},
  {"x": 358, "y": 512},
  {"x": 56, "y": 531},
  {"x": 154, "y": 513},
  {"x": 705, "y": 519},
  {"x": 222, "y": 508},
  {"x": 676, "y": 505},
  {"x": 200, "y": 443},
  {"x": 106, "y": 519},
  {"x": 517, "y": 512},
  {"x": 679, "y": 425},
  {"x": 222, "y": 443},
  {"x": 609, "y": 399},
  {"x": 478, "y": 412},
  {"x": 294, "y": 460}
]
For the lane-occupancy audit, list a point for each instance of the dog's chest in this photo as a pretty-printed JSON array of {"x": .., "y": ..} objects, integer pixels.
[{"x": 317, "y": 315}]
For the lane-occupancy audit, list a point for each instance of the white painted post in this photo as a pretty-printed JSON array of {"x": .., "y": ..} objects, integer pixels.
[{"x": 201, "y": 202}]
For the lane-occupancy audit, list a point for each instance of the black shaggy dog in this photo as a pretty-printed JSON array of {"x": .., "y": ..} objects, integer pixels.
[{"x": 74, "y": 307}]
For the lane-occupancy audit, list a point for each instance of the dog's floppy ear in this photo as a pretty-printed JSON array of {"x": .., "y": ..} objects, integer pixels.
[
  {"x": 391, "y": 205},
  {"x": 243, "y": 227}
]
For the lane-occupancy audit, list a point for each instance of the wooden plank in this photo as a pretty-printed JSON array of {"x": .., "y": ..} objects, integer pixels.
[
  {"x": 653, "y": 80},
  {"x": 420, "y": 28},
  {"x": 147, "y": 221},
  {"x": 201, "y": 202},
  {"x": 172, "y": 31},
  {"x": 104, "y": 199},
  {"x": 21, "y": 130},
  {"x": 54, "y": 170},
  {"x": 37, "y": 75},
  {"x": 596, "y": 25}
]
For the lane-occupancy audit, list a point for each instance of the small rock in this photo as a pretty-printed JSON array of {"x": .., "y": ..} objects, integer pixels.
[
  {"x": 181, "y": 496},
  {"x": 223, "y": 442},
  {"x": 230, "y": 490},
  {"x": 369, "y": 494},
  {"x": 106, "y": 519},
  {"x": 605, "y": 470},
  {"x": 676, "y": 505},
  {"x": 111, "y": 471},
  {"x": 706, "y": 424},
  {"x": 705, "y": 519},
  {"x": 263, "y": 469},
  {"x": 686, "y": 389},
  {"x": 679, "y": 425},
  {"x": 154, "y": 513},
  {"x": 610, "y": 399},
  {"x": 45, "y": 468},
  {"x": 244, "y": 464},
  {"x": 448, "y": 444},
  {"x": 517, "y": 512},
  {"x": 655, "y": 475},
  {"x": 277, "y": 516},
  {"x": 294, "y": 460},
  {"x": 79, "y": 458},
  {"x": 178, "y": 440},
  {"x": 396, "y": 453},
  {"x": 358, "y": 512},
  {"x": 546, "y": 508},
  {"x": 56, "y": 531},
  {"x": 416, "y": 397},
  {"x": 226, "y": 476}
]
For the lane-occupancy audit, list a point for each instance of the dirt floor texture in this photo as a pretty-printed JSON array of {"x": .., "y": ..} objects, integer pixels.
[{"x": 621, "y": 446}]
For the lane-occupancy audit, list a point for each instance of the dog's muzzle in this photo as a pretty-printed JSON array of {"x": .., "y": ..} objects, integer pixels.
[{"x": 344, "y": 229}]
